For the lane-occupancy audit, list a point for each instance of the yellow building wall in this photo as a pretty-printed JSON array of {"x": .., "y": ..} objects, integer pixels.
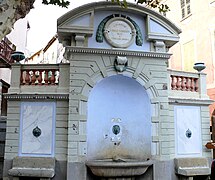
[
  {"x": 197, "y": 38},
  {"x": 188, "y": 55}
]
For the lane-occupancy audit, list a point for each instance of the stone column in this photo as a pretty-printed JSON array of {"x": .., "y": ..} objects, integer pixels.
[
  {"x": 15, "y": 78},
  {"x": 202, "y": 86}
]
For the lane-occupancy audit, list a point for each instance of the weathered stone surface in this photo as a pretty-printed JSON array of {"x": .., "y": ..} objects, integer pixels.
[
  {"x": 192, "y": 166},
  {"x": 33, "y": 167},
  {"x": 164, "y": 170},
  {"x": 7, "y": 166},
  {"x": 118, "y": 169},
  {"x": 60, "y": 170},
  {"x": 76, "y": 171}
]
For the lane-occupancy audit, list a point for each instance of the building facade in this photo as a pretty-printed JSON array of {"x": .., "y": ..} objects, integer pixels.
[{"x": 197, "y": 40}]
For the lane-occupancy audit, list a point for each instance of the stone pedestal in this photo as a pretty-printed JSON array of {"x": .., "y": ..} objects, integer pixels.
[
  {"x": 187, "y": 168},
  {"x": 41, "y": 167}
]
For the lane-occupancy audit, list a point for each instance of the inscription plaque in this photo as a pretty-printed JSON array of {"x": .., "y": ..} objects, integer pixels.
[{"x": 119, "y": 32}]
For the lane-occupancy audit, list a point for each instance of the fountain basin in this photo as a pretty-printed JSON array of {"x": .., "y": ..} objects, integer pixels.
[{"x": 118, "y": 169}]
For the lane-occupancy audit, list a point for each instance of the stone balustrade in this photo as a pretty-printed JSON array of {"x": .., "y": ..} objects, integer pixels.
[
  {"x": 183, "y": 83},
  {"x": 55, "y": 77},
  {"x": 35, "y": 76},
  {"x": 40, "y": 78},
  {"x": 187, "y": 84}
]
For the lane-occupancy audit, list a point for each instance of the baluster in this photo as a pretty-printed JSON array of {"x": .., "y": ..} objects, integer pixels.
[
  {"x": 40, "y": 77},
  {"x": 46, "y": 76},
  {"x": 178, "y": 83},
  {"x": 183, "y": 84},
  {"x": 52, "y": 78},
  {"x": 196, "y": 85},
  {"x": 173, "y": 84},
  {"x": 49, "y": 76},
  {"x": 188, "y": 84},
  {"x": 32, "y": 77},
  {"x": 27, "y": 79},
  {"x": 43, "y": 77},
  {"x": 192, "y": 86},
  {"x": 57, "y": 77},
  {"x": 37, "y": 74}
]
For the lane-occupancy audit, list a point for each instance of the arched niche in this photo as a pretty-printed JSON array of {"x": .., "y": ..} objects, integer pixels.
[{"x": 121, "y": 102}]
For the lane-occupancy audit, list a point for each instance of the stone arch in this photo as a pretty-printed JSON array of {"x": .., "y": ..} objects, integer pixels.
[{"x": 141, "y": 78}]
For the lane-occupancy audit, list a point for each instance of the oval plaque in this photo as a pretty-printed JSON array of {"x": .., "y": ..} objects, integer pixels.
[{"x": 119, "y": 32}]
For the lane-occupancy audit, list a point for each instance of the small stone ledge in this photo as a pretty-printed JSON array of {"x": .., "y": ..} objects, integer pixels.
[
  {"x": 191, "y": 166},
  {"x": 43, "y": 167},
  {"x": 178, "y": 100},
  {"x": 194, "y": 171},
  {"x": 32, "y": 172}
]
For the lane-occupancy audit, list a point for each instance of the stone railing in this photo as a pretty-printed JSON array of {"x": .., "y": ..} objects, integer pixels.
[
  {"x": 182, "y": 83},
  {"x": 28, "y": 78},
  {"x": 187, "y": 84},
  {"x": 37, "y": 76}
]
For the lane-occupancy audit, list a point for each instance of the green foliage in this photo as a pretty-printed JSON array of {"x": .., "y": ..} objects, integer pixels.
[
  {"x": 150, "y": 3},
  {"x": 121, "y": 3},
  {"x": 61, "y": 3},
  {"x": 163, "y": 8},
  {"x": 155, "y": 4}
]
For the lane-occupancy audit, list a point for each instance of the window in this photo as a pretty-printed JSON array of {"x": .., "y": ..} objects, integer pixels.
[
  {"x": 182, "y": 3},
  {"x": 185, "y": 8}
]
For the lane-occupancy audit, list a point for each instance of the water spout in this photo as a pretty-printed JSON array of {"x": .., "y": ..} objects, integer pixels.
[
  {"x": 116, "y": 140},
  {"x": 116, "y": 132},
  {"x": 118, "y": 159}
]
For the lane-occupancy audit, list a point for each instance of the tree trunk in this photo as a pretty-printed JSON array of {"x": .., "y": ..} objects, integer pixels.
[{"x": 10, "y": 12}]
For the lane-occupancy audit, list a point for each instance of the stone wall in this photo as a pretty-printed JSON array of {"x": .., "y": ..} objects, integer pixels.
[
  {"x": 13, "y": 130},
  {"x": 204, "y": 123}
]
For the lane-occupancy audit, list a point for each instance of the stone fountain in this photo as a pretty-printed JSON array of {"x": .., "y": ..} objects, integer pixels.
[
  {"x": 118, "y": 112},
  {"x": 121, "y": 169},
  {"x": 115, "y": 148}
]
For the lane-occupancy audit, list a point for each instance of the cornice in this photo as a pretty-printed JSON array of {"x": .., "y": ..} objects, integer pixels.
[
  {"x": 36, "y": 96},
  {"x": 118, "y": 52},
  {"x": 190, "y": 101}
]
